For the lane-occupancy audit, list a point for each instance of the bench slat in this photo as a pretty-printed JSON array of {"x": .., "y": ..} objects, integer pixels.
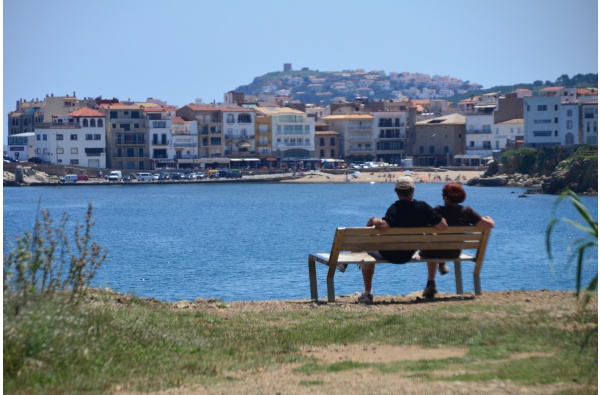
[{"x": 410, "y": 246}]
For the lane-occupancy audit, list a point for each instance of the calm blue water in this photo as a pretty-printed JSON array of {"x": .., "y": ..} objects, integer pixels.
[{"x": 251, "y": 241}]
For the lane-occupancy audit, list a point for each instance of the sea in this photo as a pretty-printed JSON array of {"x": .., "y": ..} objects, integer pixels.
[{"x": 250, "y": 241}]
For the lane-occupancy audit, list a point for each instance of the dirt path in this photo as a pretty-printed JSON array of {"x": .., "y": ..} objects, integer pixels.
[{"x": 283, "y": 379}]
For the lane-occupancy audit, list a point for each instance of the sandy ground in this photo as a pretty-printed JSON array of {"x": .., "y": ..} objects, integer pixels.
[
  {"x": 283, "y": 379},
  {"x": 390, "y": 176}
]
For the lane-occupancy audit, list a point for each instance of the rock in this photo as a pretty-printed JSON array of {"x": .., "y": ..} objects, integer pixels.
[{"x": 499, "y": 181}]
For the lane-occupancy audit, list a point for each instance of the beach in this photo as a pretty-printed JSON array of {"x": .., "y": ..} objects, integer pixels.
[{"x": 366, "y": 176}]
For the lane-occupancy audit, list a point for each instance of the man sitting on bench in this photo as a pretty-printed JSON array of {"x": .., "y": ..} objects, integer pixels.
[{"x": 406, "y": 212}]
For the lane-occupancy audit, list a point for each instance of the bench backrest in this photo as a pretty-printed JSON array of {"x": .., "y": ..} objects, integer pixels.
[
  {"x": 412, "y": 239},
  {"x": 425, "y": 238}
]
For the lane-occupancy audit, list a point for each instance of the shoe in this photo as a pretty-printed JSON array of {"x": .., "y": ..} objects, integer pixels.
[
  {"x": 342, "y": 267},
  {"x": 366, "y": 298},
  {"x": 430, "y": 290},
  {"x": 444, "y": 269}
]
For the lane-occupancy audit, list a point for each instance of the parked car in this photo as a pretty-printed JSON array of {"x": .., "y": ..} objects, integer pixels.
[
  {"x": 155, "y": 176},
  {"x": 83, "y": 177},
  {"x": 69, "y": 178},
  {"x": 176, "y": 176},
  {"x": 200, "y": 176},
  {"x": 164, "y": 176},
  {"x": 127, "y": 178},
  {"x": 186, "y": 176},
  {"x": 234, "y": 173},
  {"x": 8, "y": 159},
  {"x": 144, "y": 177},
  {"x": 35, "y": 159}
]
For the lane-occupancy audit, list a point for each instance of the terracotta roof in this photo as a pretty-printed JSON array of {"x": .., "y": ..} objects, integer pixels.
[
  {"x": 348, "y": 116},
  {"x": 86, "y": 112},
  {"x": 552, "y": 89},
  {"x": 450, "y": 119}
]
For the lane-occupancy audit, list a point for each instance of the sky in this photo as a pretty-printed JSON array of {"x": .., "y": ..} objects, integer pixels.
[{"x": 184, "y": 50}]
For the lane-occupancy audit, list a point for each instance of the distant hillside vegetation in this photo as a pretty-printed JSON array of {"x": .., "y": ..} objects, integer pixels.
[{"x": 324, "y": 87}]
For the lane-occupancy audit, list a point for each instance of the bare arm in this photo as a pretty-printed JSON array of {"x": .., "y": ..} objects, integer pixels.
[
  {"x": 443, "y": 225},
  {"x": 485, "y": 223},
  {"x": 379, "y": 224}
]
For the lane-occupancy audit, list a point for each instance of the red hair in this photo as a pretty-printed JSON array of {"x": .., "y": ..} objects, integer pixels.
[{"x": 454, "y": 193}]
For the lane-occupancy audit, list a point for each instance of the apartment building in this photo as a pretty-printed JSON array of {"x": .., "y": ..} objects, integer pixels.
[
  {"x": 127, "y": 135},
  {"x": 210, "y": 128},
  {"x": 389, "y": 131},
  {"x": 552, "y": 117},
  {"x": 440, "y": 141},
  {"x": 162, "y": 150},
  {"x": 293, "y": 133},
  {"x": 356, "y": 135},
  {"x": 78, "y": 138},
  {"x": 589, "y": 122}
]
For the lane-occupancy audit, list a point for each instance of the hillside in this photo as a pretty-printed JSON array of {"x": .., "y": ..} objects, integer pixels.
[{"x": 325, "y": 87}]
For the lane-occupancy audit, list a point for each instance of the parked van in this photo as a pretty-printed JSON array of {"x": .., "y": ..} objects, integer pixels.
[
  {"x": 115, "y": 176},
  {"x": 69, "y": 178},
  {"x": 144, "y": 177}
]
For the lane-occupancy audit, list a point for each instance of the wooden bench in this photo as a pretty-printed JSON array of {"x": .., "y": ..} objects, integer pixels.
[{"x": 350, "y": 246}]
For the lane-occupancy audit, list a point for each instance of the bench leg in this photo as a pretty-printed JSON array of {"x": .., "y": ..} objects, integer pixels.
[
  {"x": 477, "y": 284},
  {"x": 458, "y": 274},
  {"x": 330, "y": 290},
  {"x": 312, "y": 275}
]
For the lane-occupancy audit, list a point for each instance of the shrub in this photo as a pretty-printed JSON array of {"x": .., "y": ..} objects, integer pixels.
[{"x": 43, "y": 262}]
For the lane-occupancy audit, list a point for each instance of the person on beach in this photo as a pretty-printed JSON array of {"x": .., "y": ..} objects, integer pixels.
[
  {"x": 406, "y": 212},
  {"x": 455, "y": 215}
]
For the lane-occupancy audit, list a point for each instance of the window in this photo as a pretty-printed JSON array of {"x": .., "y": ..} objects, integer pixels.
[
  {"x": 421, "y": 149},
  {"x": 333, "y": 153},
  {"x": 100, "y": 123},
  {"x": 432, "y": 149},
  {"x": 332, "y": 141},
  {"x": 141, "y": 151},
  {"x": 569, "y": 124},
  {"x": 569, "y": 113},
  {"x": 60, "y": 150},
  {"x": 85, "y": 123},
  {"x": 74, "y": 150},
  {"x": 542, "y": 107},
  {"x": 130, "y": 152},
  {"x": 487, "y": 145},
  {"x": 73, "y": 137},
  {"x": 244, "y": 118},
  {"x": 322, "y": 153},
  {"x": 89, "y": 136},
  {"x": 322, "y": 142},
  {"x": 38, "y": 137},
  {"x": 125, "y": 126},
  {"x": 230, "y": 118},
  {"x": 45, "y": 137},
  {"x": 97, "y": 137},
  {"x": 93, "y": 122}
]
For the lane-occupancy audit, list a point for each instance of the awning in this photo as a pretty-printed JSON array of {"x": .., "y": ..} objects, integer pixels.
[
  {"x": 251, "y": 160},
  {"x": 235, "y": 159},
  {"x": 243, "y": 144},
  {"x": 94, "y": 150},
  {"x": 271, "y": 159},
  {"x": 213, "y": 160}
]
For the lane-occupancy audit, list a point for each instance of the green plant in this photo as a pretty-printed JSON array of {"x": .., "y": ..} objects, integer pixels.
[
  {"x": 583, "y": 244},
  {"x": 43, "y": 263}
]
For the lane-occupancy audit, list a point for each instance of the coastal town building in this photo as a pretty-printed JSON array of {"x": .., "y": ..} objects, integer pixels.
[
  {"x": 293, "y": 134},
  {"x": 127, "y": 135},
  {"x": 161, "y": 146},
  {"x": 441, "y": 142},
  {"x": 78, "y": 138},
  {"x": 356, "y": 135}
]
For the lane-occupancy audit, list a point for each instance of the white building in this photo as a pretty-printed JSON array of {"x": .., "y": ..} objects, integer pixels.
[
  {"x": 479, "y": 124},
  {"x": 552, "y": 118},
  {"x": 293, "y": 132},
  {"x": 162, "y": 152},
  {"x": 589, "y": 122},
  {"x": 76, "y": 139}
]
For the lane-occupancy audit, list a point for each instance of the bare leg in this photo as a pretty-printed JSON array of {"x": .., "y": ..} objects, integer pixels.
[
  {"x": 368, "y": 270},
  {"x": 431, "y": 269}
]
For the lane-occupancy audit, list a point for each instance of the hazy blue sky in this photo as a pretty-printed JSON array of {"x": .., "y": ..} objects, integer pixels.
[{"x": 181, "y": 50}]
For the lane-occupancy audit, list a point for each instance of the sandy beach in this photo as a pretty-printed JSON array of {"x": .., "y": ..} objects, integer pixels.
[{"x": 441, "y": 176}]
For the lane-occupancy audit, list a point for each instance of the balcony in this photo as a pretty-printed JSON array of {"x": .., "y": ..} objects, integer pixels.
[
  {"x": 184, "y": 145},
  {"x": 479, "y": 131},
  {"x": 360, "y": 149},
  {"x": 238, "y": 136},
  {"x": 287, "y": 145},
  {"x": 359, "y": 127}
]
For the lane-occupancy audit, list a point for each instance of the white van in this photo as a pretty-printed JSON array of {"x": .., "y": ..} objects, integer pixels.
[
  {"x": 144, "y": 177},
  {"x": 69, "y": 178},
  {"x": 115, "y": 176}
]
